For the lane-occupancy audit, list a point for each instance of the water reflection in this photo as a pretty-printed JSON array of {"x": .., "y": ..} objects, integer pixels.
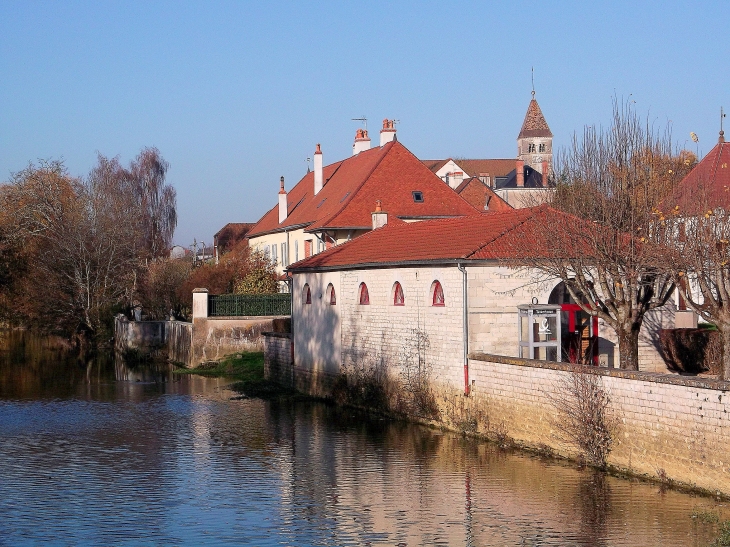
[{"x": 100, "y": 453}]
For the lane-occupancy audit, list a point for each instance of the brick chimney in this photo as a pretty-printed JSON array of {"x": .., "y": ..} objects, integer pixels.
[
  {"x": 283, "y": 206},
  {"x": 380, "y": 217},
  {"x": 520, "y": 174},
  {"x": 387, "y": 134},
  {"x": 318, "y": 177},
  {"x": 362, "y": 142},
  {"x": 545, "y": 173}
]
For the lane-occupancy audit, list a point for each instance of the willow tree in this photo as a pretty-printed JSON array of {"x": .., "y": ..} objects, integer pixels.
[{"x": 613, "y": 178}]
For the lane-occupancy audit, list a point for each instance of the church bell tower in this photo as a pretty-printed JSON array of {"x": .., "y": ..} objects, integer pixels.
[{"x": 535, "y": 141}]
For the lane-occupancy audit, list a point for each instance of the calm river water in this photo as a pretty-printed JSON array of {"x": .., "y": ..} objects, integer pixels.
[{"x": 98, "y": 454}]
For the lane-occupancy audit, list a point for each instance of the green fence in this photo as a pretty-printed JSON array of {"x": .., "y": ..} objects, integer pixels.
[{"x": 237, "y": 305}]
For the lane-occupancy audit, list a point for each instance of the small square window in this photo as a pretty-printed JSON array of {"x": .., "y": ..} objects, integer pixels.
[{"x": 418, "y": 197}]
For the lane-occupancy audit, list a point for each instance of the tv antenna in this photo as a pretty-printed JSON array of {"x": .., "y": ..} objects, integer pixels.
[{"x": 363, "y": 119}]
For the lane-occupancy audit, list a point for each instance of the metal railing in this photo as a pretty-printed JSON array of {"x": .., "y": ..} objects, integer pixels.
[{"x": 237, "y": 305}]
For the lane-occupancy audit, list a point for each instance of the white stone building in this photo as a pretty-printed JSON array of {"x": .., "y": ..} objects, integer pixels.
[{"x": 443, "y": 289}]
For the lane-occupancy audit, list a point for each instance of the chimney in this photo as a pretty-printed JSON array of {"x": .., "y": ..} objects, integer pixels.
[
  {"x": 283, "y": 206},
  {"x": 520, "y": 174},
  {"x": 380, "y": 217},
  {"x": 362, "y": 142},
  {"x": 387, "y": 134},
  {"x": 545, "y": 173},
  {"x": 318, "y": 178}
]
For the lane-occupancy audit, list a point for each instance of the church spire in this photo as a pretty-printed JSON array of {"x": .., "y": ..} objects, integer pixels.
[{"x": 535, "y": 141}]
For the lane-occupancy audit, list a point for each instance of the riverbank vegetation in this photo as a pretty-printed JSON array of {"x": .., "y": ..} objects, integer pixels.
[
  {"x": 247, "y": 372},
  {"x": 72, "y": 249}
]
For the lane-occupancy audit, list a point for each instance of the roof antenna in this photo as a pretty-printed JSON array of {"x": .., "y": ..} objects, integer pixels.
[
  {"x": 308, "y": 169},
  {"x": 533, "y": 81},
  {"x": 362, "y": 119}
]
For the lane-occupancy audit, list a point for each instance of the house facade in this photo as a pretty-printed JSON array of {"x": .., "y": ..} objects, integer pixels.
[{"x": 334, "y": 203}]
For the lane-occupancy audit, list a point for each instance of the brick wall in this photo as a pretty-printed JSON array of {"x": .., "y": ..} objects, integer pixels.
[{"x": 669, "y": 426}]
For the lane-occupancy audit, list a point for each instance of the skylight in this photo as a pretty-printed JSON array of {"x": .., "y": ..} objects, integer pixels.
[{"x": 418, "y": 197}]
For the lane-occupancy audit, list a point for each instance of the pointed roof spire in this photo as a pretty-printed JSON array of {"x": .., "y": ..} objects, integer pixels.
[{"x": 534, "y": 124}]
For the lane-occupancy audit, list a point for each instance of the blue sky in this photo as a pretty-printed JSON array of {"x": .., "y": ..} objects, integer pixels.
[{"x": 237, "y": 94}]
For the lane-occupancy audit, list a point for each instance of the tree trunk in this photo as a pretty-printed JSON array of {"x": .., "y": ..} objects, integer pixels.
[
  {"x": 628, "y": 346},
  {"x": 725, "y": 334}
]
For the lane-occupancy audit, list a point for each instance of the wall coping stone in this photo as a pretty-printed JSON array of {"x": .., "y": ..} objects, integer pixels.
[
  {"x": 656, "y": 377},
  {"x": 277, "y": 334}
]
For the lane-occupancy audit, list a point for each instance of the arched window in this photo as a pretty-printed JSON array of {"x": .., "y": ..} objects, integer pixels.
[
  {"x": 398, "y": 297},
  {"x": 364, "y": 296},
  {"x": 306, "y": 295},
  {"x": 437, "y": 293},
  {"x": 331, "y": 296}
]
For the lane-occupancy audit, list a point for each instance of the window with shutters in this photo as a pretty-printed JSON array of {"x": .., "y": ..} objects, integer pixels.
[{"x": 307, "y": 248}]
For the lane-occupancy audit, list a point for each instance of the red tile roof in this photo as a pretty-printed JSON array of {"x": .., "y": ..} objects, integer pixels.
[
  {"x": 534, "y": 124},
  {"x": 508, "y": 235},
  {"x": 479, "y": 194},
  {"x": 707, "y": 186},
  {"x": 474, "y": 168},
  {"x": 390, "y": 173}
]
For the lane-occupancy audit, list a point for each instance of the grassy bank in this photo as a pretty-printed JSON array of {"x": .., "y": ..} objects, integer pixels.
[{"x": 246, "y": 370}]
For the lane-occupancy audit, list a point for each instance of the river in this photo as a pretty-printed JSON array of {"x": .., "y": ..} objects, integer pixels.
[{"x": 96, "y": 453}]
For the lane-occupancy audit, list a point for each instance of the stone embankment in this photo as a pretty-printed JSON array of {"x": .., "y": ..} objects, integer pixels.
[{"x": 667, "y": 427}]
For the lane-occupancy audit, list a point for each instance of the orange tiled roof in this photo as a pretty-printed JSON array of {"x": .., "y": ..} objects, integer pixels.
[
  {"x": 479, "y": 194},
  {"x": 476, "y": 167},
  {"x": 534, "y": 124},
  {"x": 707, "y": 186},
  {"x": 507, "y": 235},
  {"x": 390, "y": 173}
]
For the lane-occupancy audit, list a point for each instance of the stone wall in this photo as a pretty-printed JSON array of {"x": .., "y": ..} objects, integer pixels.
[
  {"x": 174, "y": 337},
  {"x": 216, "y": 337},
  {"x": 179, "y": 341},
  {"x": 670, "y": 426},
  {"x": 139, "y": 335},
  {"x": 278, "y": 358}
]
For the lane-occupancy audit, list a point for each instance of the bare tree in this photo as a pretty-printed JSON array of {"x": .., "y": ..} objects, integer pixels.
[
  {"x": 85, "y": 239},
  {"x": 701, "y": 263},
  {"x": 613, "y": 179},
  {"x": 156, "y": 201}
]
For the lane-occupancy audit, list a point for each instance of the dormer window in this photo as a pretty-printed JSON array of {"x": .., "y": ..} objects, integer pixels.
[{"x": 418, "y": 196}]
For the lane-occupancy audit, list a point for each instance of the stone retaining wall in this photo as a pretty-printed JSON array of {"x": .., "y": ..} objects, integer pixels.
[
  {"x": 669, "y": 426},
  {"x": 278, "y": 358}
]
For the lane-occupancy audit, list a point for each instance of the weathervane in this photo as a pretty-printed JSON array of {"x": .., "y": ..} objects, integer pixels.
[
  {"x": 532, "y": 69},
  {"x": 722, "y": 115}
]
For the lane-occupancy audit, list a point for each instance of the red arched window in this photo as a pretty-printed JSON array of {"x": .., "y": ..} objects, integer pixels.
[
  {"x": 364, "y": 296},
  {"x": 331, "y": 294},
  {"x": 438, "y": 294},
  {"x": 398, "y": 297},
  {"x": 306, "y": 295}
]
